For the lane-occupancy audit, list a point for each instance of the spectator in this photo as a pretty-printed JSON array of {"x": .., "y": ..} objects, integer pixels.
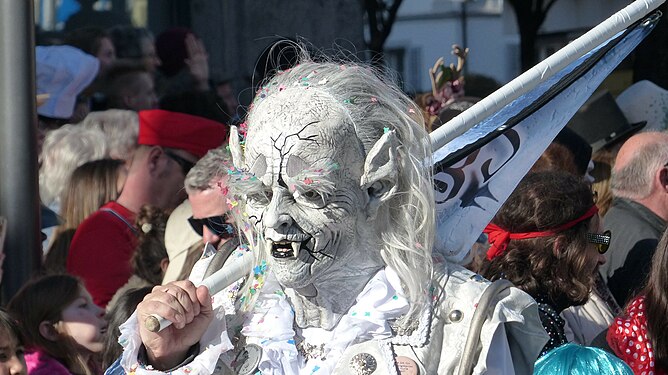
[
  {"x": 544, "y": 240},
  {"x": 185, "y": 62},
  {"x": 94, "y": 41},
  {"x": 571, "y": 359},
  {"x": 120, "y": 128},
  {"x": 206, "y": 185},
  {"x": 582, "y": 324},
  {"x": 170, "y": 144},
  {"x": 183, "y": 245},
  {"x": 63, "y": 72},
  {"x": 64, "y": 330},
  {"x": 639, "y": 337},
  {"x": 12, "y": 361},
  {"x": 603, "y": 161},
  {"x": 124, "y": 307},
  {"x": 64, "y": 150},
  {"x": 150, "y": 260},
  {"x": 135, "y": 44},
  {"x": 131, "y": 88},
  {"x": 638, "y": 213},
  {"x": 91, "y": 185}
]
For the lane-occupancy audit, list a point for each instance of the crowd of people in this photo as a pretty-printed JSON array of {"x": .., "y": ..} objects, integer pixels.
[{"x": 150, "y": 182}]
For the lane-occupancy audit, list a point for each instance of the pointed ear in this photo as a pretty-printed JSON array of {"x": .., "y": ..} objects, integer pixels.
[
  {"x": 235, "y": 148},
  {"x": 380, "y": 172},
  {"x": 48, "y": 331}
]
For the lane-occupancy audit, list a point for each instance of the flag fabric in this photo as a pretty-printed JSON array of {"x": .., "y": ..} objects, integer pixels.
[{"x": 477, "y": 171}]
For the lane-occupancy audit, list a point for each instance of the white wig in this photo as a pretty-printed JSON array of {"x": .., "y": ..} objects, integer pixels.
[
  {"x": 121, "y": 130},
  {"x": 63, "y": 151},
  {"x": 405, "y": 222}
]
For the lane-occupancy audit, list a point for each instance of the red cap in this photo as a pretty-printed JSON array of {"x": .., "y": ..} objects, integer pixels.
[{"x": 193, "y": 134}]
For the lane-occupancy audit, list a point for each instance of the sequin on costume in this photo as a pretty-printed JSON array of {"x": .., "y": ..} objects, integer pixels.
[
  {"x": 554, "y": 326},
  {"x": 628, "y": 338}
]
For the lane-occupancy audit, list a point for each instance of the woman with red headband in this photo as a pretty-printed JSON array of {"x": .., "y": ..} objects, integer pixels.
[{"x": 546, "y": 239}]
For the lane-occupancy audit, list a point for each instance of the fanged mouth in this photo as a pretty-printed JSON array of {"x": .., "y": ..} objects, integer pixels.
[{"x": 287, "y": 249}]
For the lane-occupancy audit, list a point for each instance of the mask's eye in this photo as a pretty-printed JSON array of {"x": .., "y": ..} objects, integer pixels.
[
  {"x": 260, "y": 198},
  {"x": 310, "y": 198}
]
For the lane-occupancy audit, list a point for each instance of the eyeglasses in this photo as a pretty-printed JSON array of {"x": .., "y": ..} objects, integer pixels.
[
  {"x": 601, "y": 241},
  {"x": 216, "y": 224},
  {"x": 186, "y": 165}
]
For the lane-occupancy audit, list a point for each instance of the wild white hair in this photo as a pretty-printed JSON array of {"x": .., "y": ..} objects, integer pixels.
[
  {"x": 121, "y": 130},
  {"x": 634, "y": 180},
  {"x": 65, "y": 149},
  {"x": 405, "y": 222}
]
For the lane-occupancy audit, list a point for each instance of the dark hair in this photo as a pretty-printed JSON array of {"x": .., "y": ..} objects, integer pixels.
[
  {"x": 128, "y": 41},
  {"x": 87, "y": 39},
  {"x": 9, "y": 325},
  {"x": 656, "y": 302},
  {"x": 43, "y": 300},
  {"x": 121, "y": 80},
  {"x": 543, "y": 201},
  {"x": 556, "y": 157},
  {"x": 171, "y": 48},
  {"x": 124, "y": 307},
  {"x": 151, "y": 244},
  {"x": 197, "y": 103}
]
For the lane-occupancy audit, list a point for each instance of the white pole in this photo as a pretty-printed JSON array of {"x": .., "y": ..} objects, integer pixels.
[{"x": 542, "y": 71}]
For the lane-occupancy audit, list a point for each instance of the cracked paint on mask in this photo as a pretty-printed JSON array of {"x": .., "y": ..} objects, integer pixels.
[{"x": 307, "y": 201}]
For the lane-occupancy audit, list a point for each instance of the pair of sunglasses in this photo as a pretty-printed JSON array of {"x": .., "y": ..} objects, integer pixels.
[
  {"x": 600, "y": 240},
  {"x": 216, "y": 224},
  {"x": 186, "y": 165}
]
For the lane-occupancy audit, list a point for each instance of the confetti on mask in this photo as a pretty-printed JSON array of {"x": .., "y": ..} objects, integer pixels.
[
  {"x": 352, "y": 100},
  {"x": 322, "y": 81},
  {"x": 411, "y": 110},
  {"x": 374, "y": 99},
  {"x": 386, "y": 130}
]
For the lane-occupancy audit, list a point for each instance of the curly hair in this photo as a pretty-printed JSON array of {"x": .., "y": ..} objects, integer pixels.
[
  {"x": 151, "y": 244},
  {"x": 557, "y": 268}
]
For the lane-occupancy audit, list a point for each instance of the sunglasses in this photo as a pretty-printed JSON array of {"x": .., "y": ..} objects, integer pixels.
[
  {"x": 601, "y": 240},
  {"x": 186, "y": 165},
  {"x": 216, "y": 224}
]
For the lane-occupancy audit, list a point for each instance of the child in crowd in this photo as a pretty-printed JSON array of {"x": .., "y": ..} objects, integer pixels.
[
  {"x": 125, "y": 305},
  {"x": 64, "y": 330},
  {"x": 639, "y": 336},
  {"x": 11, "y": 347}
]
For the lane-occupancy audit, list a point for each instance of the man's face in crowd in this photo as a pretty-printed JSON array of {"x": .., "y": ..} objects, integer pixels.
[
  {"x": 209, "y": 204},
  {"x": 143, "y": 94}
]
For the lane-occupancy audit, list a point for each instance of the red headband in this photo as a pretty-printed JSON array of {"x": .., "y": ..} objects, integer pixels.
[{"x": 499, "y": 237}]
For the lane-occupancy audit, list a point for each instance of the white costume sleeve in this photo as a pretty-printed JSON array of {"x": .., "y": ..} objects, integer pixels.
[{"x": 214, "y": 342}]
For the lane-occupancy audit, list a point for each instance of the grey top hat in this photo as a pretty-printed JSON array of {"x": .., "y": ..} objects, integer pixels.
[{"x": 601, "y": 122}]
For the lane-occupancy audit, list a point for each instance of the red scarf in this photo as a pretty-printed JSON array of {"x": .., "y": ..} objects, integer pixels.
[{"x": 499, "y": 237}]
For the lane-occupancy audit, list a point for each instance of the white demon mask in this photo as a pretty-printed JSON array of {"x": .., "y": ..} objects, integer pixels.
[
  {"x": 309, "y": 205},
  {"x": 331, "y": 194}
]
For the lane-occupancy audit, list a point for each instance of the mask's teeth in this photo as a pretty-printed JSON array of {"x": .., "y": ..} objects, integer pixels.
[{"x": 295, "y": 248}]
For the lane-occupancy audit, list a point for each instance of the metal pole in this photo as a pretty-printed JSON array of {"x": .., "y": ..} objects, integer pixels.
[{"x": 18, "y": 155}]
